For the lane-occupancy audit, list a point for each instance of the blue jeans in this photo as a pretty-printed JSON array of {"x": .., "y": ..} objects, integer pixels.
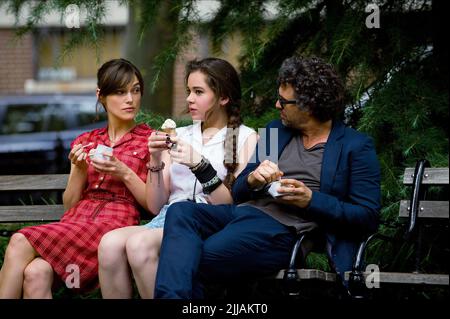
[{"x": 218, "y": 243}]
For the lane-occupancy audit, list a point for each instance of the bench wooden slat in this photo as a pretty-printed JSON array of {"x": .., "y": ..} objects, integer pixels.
[
  {"x": 436, "y": 176},
  {"x": 431, "y": 209},
  {"x": 409, "y": 278},
  {"x": 311, "y": 274},
  {"x": 32, "y": 213},
  {"x": 33, "y": 182}
]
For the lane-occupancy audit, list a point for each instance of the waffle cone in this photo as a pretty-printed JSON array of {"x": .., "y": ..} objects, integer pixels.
[{"x": 170, "y": 131}]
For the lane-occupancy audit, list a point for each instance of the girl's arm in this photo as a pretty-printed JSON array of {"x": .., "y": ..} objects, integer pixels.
[
  {"x": 222, "y": 195},
  {"x": 157, "y": 188},
  {"x": 77, "y": 177}
]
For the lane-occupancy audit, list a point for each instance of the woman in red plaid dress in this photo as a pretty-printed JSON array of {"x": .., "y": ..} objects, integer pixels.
[{"x": 101, "y": 195}]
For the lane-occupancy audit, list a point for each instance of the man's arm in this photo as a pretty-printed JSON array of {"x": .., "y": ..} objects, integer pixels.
[{"x": 241, "y": 191}]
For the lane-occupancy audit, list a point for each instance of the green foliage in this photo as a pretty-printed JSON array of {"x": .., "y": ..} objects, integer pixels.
[
  {"x": 261, "y": 121},
  {"x": 155, "y": 120},
  {"x": 317, "y": 261},
  {"x": 149, "y": 11},
  {"x": 407, "y": 118}
]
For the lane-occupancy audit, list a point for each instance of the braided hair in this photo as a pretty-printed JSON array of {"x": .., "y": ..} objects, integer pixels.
[{"x": 224, "y": 81}]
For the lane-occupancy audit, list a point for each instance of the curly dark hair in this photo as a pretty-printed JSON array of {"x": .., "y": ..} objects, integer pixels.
[{"x": 318, "y": 88}]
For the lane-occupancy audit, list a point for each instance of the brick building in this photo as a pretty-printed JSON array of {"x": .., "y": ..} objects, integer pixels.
[
  {"x": 16, "y": 61},
  {"x": 28, "y": 65}
]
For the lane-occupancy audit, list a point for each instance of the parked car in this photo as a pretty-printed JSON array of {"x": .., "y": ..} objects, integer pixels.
[{"x": 36, "y": 131}]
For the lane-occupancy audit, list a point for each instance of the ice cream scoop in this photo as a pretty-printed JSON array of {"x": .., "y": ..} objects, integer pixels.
[{"x": 169, "y": 127}]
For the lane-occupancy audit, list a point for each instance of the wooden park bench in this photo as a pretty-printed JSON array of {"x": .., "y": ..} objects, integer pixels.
[
  {"x": 416, "y": 212},
  {"x": 32, "y": 213}
]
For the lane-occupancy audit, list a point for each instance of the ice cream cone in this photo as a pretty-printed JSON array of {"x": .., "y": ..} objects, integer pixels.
[
  {"x": 170, "y": 131},
  {"x": 169, "y": 127}
]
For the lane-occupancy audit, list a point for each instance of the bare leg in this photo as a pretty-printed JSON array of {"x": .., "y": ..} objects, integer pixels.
[
  {"x": 113, "y": 271},
  {"x": 143, "y": 256},
  {"x": 18, "y": 255},
  {"x": 38, "y": 280}
]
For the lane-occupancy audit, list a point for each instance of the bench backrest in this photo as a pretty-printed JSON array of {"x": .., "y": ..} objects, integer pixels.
[
  {"x": 427, "y": 208},
  {"x": 32, "y": 213},
  {"x": 58, "y": 182}
]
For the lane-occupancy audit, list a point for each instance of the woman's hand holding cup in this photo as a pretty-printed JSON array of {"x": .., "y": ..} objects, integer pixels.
[{"x": 77, "y": 156}]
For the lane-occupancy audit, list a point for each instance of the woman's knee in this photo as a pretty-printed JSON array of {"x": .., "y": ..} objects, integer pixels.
[
  {"x": 38, "y": 272},
  {"x": 18, "y": 245},
  {"x": 143, "y": 248},
  {"x": 111, "y": 249}
]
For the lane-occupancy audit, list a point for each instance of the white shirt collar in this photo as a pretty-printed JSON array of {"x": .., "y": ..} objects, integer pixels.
[{"x": 219, "y": 137}]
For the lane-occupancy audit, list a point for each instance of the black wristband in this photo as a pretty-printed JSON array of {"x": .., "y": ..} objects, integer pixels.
[
  {"x": 206, "y": 172},
  {"x": 200, "y": 166},
  {"x": 211, "y": 185},
  {"x": 197, "y": 166}
]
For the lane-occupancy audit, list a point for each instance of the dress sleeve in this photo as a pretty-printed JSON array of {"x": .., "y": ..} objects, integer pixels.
[{"x": 80, "y": 139}]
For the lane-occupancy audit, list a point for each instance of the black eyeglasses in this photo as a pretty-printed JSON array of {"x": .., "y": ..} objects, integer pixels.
[{"x": 283, "y": 101}]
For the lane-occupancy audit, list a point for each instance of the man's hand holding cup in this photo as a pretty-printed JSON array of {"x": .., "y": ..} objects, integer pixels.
[{"x": 266, "y": 173}]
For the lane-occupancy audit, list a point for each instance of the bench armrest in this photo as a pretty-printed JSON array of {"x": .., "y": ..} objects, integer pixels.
[
  {"x": 356, "y": 282},
  {"x": 418, "y": 194},
  {"x": 291, "y": 272},
  {"x": 299, "y": 253}
]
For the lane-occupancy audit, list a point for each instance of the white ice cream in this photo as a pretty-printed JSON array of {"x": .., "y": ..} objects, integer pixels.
[
  {"x": 169, "y": 124},
  {"x": 169, "y": 127}
]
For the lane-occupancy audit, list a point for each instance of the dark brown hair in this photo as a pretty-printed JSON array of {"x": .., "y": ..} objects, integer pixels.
[
  {"x": 117, "y": 74},
  {"x": 224, "y": 81}
]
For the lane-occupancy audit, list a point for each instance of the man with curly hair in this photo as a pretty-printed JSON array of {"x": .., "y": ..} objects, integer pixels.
[{"x": 326, "y": 178}]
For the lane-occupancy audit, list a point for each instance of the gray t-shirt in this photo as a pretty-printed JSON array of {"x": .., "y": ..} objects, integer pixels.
[{"x": 297, "y": 163}]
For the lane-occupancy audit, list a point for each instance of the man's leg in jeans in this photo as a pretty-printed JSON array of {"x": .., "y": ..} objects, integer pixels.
[
  {"x": 186, "y": 227},
  {"x": 252, "y": 245}
]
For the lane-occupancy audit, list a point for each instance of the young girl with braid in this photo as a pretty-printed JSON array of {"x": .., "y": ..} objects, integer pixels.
[{"x": 199, "y": 164}]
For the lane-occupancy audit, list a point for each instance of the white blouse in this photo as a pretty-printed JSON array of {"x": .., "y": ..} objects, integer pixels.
[{"x": 182, "y": 180}]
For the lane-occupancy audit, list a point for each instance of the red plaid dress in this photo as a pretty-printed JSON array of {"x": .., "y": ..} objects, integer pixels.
[{"x": 106, "y": 204}]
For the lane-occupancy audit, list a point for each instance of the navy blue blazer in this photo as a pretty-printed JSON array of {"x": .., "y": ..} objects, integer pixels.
[{"x": 348, "y": 203}]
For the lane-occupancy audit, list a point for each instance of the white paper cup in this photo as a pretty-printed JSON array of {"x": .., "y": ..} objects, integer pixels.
[{"x": 100, "y": 150}]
